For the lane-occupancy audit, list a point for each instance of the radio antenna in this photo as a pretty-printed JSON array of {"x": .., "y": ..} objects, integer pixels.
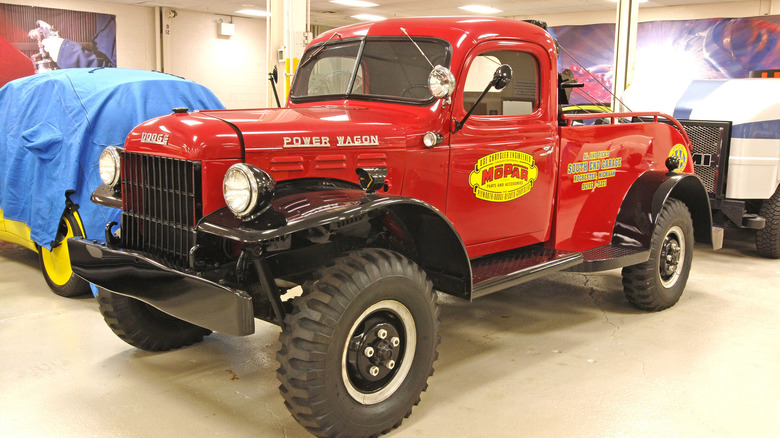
[{"x": 418, "y": 47}]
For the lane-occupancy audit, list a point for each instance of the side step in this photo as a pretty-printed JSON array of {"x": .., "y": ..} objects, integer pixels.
[
  {"x": 498, "y": 272},
  {"x": 608, "y": 257}
]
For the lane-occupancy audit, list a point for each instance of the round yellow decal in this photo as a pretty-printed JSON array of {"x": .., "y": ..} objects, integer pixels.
[
  {"x": 681, "y": 153},
  {"x": 503, "y": 176}
]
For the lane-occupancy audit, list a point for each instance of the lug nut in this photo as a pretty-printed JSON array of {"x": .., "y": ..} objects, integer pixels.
[
  {"x": 374, "y": 370},
  {"x": 395, "y": 341},
  {"x": 369, "y": 351},
  {"x": 390, "y": 364},
  {"x": 382, "y": 333}
]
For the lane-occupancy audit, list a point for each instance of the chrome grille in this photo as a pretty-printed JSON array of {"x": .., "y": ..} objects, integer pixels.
[
  {"x": 710, "y": 145},
  {"x": 162, "y": 204}
]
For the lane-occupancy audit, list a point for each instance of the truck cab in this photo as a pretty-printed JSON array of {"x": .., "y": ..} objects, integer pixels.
[{"x": 414, "y": 155}]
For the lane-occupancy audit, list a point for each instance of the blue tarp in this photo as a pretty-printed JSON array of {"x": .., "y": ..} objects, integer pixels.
[{"x": 53, "y": 127}]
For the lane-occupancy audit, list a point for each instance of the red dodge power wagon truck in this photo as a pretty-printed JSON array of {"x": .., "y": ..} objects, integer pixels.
[{"x": 413, "y": 155}]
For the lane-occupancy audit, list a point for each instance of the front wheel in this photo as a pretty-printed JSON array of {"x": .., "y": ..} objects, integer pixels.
[
  {"x": 659, "y": 282},
  {"x": 55, "y": 263},
  {"x": 145, "y": 327},
  {"x": 359, "y": 345}
]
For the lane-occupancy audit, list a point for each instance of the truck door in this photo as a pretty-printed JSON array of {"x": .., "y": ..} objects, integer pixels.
[{"x": 503, "y": 161}]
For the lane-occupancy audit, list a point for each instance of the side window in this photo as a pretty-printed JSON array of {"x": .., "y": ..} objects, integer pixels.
[{"x": 520, "y": 97}]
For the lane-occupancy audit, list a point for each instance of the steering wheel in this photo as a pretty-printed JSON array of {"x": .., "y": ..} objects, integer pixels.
[
  {"x": 413, "y": 92},
  {"x": 335, "y": 82}
]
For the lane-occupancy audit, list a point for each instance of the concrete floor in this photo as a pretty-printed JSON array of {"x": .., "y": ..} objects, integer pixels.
[{"x": 565, "y": 356}]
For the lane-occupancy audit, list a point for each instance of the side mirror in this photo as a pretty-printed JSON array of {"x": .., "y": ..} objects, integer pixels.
[
  {"x": 501, "y": 78},
  {"x": 273, "y": 77}
]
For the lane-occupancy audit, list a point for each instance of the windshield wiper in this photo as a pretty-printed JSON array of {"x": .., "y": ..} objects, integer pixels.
[{"x": 318, "y": 50}]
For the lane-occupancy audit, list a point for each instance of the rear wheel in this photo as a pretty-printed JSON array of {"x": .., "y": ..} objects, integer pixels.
[
  {"x": 359, "y": 346},
  {"x": 768, "y": 238},
  {"x": 145, "y": 327},
  {"x": 659, "y": 282},
  {"x": 55, "y": 263}
]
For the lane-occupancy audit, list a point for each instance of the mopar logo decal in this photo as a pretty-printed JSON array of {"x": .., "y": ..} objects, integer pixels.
[
  {"x": 148, "y": 137},
  {"x": 503, "y": 176}
]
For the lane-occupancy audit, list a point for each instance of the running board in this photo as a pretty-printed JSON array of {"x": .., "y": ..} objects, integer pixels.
[
  {"x": 504, "y": 270},
  {"x": 610, "y": 256}
]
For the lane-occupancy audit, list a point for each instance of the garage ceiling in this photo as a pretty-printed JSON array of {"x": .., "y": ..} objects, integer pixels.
[{"x": 325, "y": 13}]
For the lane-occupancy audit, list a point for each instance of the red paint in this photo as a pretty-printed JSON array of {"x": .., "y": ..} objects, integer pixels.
[
  {"x": 532, "y": 180},
  {"x": 193, "y": 136},
  {"x": 214, "y": 171},
  {"x": 585, "y": 217}
]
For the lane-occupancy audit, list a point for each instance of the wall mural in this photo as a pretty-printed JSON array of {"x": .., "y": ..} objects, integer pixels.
[
  {"x": 717, "y": 48},
  {"x": 34, "y": 39}
]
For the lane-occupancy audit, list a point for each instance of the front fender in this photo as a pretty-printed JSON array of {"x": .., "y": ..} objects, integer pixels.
[
  {"x": 639, "y": 212},
  {"x": 297, "y": 212},
  {"x": 439, "y": 249}
]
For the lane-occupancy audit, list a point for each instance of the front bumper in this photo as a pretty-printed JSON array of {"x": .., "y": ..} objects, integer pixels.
[{"x": 184, "y": 296}]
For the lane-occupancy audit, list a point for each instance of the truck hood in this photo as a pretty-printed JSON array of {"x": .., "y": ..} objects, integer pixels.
[
  {"x": 314, "y": 127},
  {"x": 215, "y": 135},
  {"x": 189, "y": 136}
]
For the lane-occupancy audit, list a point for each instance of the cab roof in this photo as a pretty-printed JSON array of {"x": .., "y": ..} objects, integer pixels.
[{"x": 461, "y": 32}]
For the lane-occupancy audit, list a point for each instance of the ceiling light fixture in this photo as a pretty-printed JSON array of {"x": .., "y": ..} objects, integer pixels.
[
  {"x": 480, "y": 9},
  {"x": 355, "y": 3},
  {"x": 253, "y": 12},
  {"x": 369, "y": 17}
]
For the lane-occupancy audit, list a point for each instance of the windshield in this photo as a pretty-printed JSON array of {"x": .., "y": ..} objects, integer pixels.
[{"x": 388, "y": 69}]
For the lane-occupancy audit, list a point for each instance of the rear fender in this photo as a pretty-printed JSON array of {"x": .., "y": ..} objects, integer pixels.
[{"x": 639, "y": 212}]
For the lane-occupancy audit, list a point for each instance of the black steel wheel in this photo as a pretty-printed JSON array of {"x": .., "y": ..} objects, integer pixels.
[
  {"x": 359, "y": 345},
  {"x": 659, "y": 282},
  {"x": 145, "y": 327},
  {"x": 768, "y": 238}
]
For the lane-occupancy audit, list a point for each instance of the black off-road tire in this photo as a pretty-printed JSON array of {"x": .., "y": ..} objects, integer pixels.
[
  {"x": 55, "y": 264},
  {"x": 768, "y": 238},
  {"x": 145, "y": 327},
  {"x": 322, "y": 377},
  {"x": 659, "y": 282}
]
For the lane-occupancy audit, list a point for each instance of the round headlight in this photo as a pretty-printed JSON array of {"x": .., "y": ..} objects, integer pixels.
[
  {"x": 441, "y": 82},
  {"x": 109, "y": 166},
  {"x": 247, "y": 190}
]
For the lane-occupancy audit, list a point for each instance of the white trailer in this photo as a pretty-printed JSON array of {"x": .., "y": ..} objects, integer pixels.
[{"x": 734, "y": 125}]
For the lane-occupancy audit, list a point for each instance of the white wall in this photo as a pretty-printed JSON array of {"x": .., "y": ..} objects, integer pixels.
[
  {"x": 135, "y": 33},
  {"x": 750, "y": 8},
  {"x": 234, "y": 68}
]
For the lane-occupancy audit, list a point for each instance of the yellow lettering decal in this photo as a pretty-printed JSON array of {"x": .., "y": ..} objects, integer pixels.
[{"x": 503, "y": 176}]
